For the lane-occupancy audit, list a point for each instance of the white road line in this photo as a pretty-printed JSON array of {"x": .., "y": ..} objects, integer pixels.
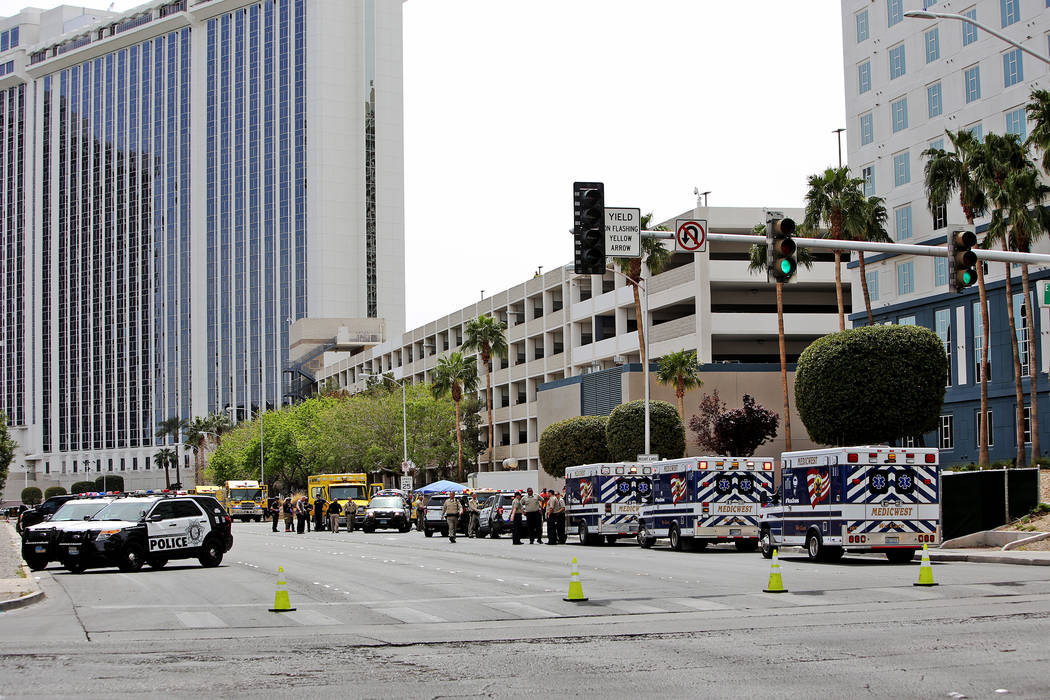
[
  {"x": 629, "y": 606},
  {"x": 199, "y": 619},
  {"x": 409, "y": 615},
  {"x": 698, "y": 603},
  {"x": 522, "y": 610},
  {"x": 310, "y": 618}
]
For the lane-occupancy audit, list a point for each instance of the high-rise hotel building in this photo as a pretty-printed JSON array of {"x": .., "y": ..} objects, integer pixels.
[{"x": 181, "y": 183}]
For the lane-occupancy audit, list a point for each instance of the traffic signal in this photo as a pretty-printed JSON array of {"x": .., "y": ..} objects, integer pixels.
[
  {"x": 962, "y": 261},
  {"x": 588, "y": 208},
  {"x": 781, "y": 252}
]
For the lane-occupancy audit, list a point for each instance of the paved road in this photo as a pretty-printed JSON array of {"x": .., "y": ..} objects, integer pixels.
[{"x": 400, "y": 615}]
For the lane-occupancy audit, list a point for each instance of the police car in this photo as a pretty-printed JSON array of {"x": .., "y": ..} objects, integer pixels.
[
  {"x": 40, "y": 542},
  {"x": 130, "y": 532}
]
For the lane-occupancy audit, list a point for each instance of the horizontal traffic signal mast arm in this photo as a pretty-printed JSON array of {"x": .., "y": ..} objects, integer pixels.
[{"x": 932, "y": 251}]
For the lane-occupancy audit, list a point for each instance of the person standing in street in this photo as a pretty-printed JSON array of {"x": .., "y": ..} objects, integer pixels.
[
  {"x": 302, "y": 517},
  {"x": 274, "y": 507},
  {"x": 450, "y": 511},
  {"x": 334, "y": 509},
  {"x": 474, "y": 511},
  {"x": 515, "y": 517},
  {"x": 286, "y": 510},
  {"x": 319, "y": 504},
  {"x": 530, "y": 503},
  {"x": 555, "y": 519}
]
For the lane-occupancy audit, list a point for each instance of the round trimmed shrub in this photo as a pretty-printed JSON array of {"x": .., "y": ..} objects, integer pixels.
[
  {"x": 82, "y": 487},
  {"x": 110, "y": 482},
  {"x": 871, "y": 385},
  {"x": 53, "y": 491},
  {"x": 574, "y": 441},
  {"x": 625, "y": 431},
  {"x": 31, "y": 496}
]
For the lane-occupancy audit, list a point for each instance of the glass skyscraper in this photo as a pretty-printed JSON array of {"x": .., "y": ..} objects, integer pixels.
[{"x": 158, "y": 230}]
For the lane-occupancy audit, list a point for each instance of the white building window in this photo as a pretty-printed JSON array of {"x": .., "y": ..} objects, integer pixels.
[
  {"x": 943, "y": 327},
  {"x": 946, "y": 434},
  {"x": 872, "y": 276},
  {"x": 1021, "y": 320},
  {"x": 1027, "y": 425},
  {"x": 978, "y": 343},
  {"x": 977, "y": 425}
]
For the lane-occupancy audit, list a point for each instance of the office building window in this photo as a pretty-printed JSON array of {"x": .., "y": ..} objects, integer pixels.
[
  {"x": 867, "y": 174},
  {"x": 933, "y": 45},
  {"x": 978, "y": 343},
  {"x": 867, "y": 130},
  {"x": 934, "y": 105},
  {"x": 1010, "y": 10},
  {"x": 1027, "y": 424},
  {"x": 946, "y": 434},
  {"x": 977, "y": 429},
  {"x": 872, "y": 277},
  {"x": 1016, "y": 124},
  {"x": 940, "y": 272},
  {"x": 894, "y": 12},
  {"x": 864, "y": 77},
  {"x": 862, "y": 25},
  {"x": 901, "y": 170},
  {"x": 937, "y": 144},
  {"x": 1021, "y": 319},
  {"x": 902, "y": 222},
  {"x": 906, "y": 321},
  {"x": 942, "y": 321},
  {"x": 969, "y": 31},
  {"x": 977, "y": 130},
  {"x": 899, "y": 110},
  {"x": 1013, "y": 68},
  {"x": 972, "y": 83},
  {"x": 897, "y": 67},
  {"x": 905, "y": 278},
  {"x": 940, "y": 216}
]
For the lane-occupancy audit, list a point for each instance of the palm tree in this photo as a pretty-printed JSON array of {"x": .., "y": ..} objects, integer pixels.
[
  {"x": 454, "y": 375},
  {"x": 656, "y": 257},
  {"x": 679, "y": 369},
  {"x": 947, "y": 172},
  {"x": 171, "y": 427},
  {"x": 219, "y": 423},
  {"x": 757, "y": 263},
  {"x": 872, "y": 230},
  {"x": 835, "y": 199},
  {"x": 164, "y": 458},
  {"x": 996, "y": 164},
  {"x": 487, "y": 336},
  {"x": 196, "y": 439},
  {"x": 1038, "y": 111}
]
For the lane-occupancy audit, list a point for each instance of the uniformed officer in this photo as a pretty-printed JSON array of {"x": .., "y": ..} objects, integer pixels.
[
  {"x": 334, "y": 509},
  {"x": 530, "y": 503},
  {"x": 274, "y": 506},
  {"x": 319, "y": 505},
  {"x": 515, "y": 517},
  {"x": 450, "y": 511},
  {"x": 474, "y": 510},
  {"x": 555, "y": 519}
]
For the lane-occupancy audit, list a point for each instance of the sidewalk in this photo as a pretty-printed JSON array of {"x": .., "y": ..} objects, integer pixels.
[
  {"x": 991, "y": 556},
  {"x": 15, "y": 590}
]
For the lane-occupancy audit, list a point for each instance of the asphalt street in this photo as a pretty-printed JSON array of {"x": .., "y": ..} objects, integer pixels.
[{"x": 392, "y": 615}]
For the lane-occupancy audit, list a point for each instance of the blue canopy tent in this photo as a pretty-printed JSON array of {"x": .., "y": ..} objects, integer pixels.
[{"x": 442, "y": 486}]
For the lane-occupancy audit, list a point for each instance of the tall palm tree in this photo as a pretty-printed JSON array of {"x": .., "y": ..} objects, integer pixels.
[
  {"x": 680, "y": 370},
  {"x": 487, "y": 336},
  {"x": 947, "y": 172},
  {"x": 1038, "y": 111},
  {"x": 171, "y": 427},
  {"x": 454, "y": 375},
  {"x": 835, "y": 199},
  {"x": 218, "y": 424},
  {"x": 996, "y": 163},
  {"x": 757, "y": 263},
  {"x": 872, "y": 230},
  {"x": 196, "y": 439},
  {"x": 656, "y": 257},
  {"x": 164, "y": 458}
]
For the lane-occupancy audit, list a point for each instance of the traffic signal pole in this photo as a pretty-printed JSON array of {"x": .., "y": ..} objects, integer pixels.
[{"x": 931, "y": 251}]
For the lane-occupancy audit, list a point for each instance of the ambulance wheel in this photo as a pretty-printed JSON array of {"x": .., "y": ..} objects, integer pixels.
[
  {"x": 747, "y": 546},
  {"x": 677, "y": 542},
  {"x": 815, "y": 546},
  {"x": 900, "y": 556},
  {"x": 765, "y": 543},
  {"x": 211, "y": 553},
  {"x": 643, "y": 541},
  {"x": 157, "y": 562},
  {"x": 585, "y": 538},
  {"x": 36, "y": 563},
  {"x": 132, "y": 559}
]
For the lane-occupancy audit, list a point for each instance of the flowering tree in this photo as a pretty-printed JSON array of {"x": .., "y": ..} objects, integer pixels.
[{"x": 733, "y": 432}]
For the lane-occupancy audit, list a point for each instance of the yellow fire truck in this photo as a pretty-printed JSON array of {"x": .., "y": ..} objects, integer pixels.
[
  {"x": 246, "y": 500},
  {"x": 207, "y": 490},
  {"x": 345, "y": 488}
]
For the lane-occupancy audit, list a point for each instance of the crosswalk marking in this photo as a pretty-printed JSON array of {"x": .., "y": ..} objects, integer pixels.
[
  {"x": 522, "y": 610},
  {"x": 308, "y": 618},
  {"x": 698, "y": 603},
  {"x": 199, "y": 619},
  {"x": 629, "y": 606},
  {"x": 409, "y": 615}
]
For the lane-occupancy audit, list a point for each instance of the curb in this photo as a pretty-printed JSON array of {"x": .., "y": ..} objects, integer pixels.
[
  {"x": 22, "y": 602},
  {"x": 989, "y": 559}
]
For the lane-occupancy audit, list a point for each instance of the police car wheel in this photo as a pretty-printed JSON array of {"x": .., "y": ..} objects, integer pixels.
[
  {"x": 157, "y": 562},
  {"x": 132, "y": 559},
  {"x": 211, "y": 553},
  {"x": 765, "y": 543},
  {"x": 74, "y": 566},
  {"x": 404, "y": 528},
  {"x": 36, "y": 563},
  {"x": 428, "y": 532}
]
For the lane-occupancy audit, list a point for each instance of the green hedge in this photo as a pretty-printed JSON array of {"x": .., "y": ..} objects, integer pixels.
[
  {"x": 625, "y": 431},
  {"x": 111, "y": 482},
  {"x": 54, "y": 491},
  {"x": 871, "y": 385},
  {"x": 31, "y": 496},
  {"x": 82, "y": 487},
  {"x": 567, "y": 443}
]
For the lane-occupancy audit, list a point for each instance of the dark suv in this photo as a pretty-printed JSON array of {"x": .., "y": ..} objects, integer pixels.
[
  {"x": 387, "y": 512},
  {"x": 495, "y": 515},
  {"x": 37, "y": 514},
  {"x": 40, "y": 542},
  {"x": 130, "y": 532}
]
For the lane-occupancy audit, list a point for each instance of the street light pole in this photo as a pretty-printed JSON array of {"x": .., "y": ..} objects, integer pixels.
[
  {"x": 838, "y": 132},
  {"x": 404, "y": 415},
  {"x": 924, "y": 14}
]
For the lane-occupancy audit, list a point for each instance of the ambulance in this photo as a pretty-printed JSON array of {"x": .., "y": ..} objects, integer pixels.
[
  {"x": 698, "y": 501},
  {"x": 855, "y": 499},
  {"x": 602, "y": 500}
]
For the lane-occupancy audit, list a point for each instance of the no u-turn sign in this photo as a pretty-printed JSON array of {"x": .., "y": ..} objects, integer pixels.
[{"x": 690, "y": 235}]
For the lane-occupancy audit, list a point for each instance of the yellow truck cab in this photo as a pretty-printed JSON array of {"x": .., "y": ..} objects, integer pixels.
[
  {"x": 245, "y": 500},
  {"x": 345, "y": 488}
]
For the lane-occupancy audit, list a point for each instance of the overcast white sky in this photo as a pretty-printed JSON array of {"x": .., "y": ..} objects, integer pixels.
[{"x": 507, "y": 102}]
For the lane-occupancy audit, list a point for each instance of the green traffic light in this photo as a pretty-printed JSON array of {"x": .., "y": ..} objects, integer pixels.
[
  {"x": 969, "y": 277},
  {"x": 787, "y": 267}
]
